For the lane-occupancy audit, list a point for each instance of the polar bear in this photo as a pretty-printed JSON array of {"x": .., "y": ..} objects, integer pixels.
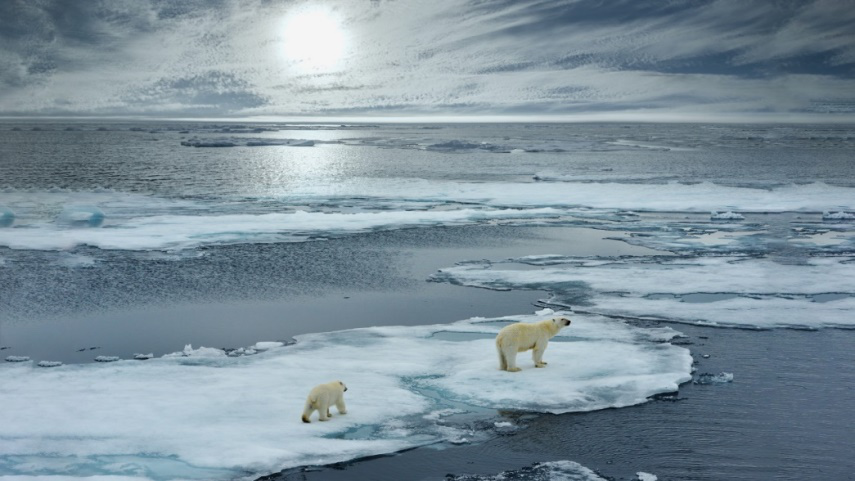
[
  {"x": 322, "y": 397},
  {"x": 523, "y": 336}
]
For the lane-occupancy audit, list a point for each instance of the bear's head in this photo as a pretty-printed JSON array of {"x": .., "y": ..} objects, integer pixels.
[
  {"x": 343, "y": 387},
  {"x": 561, "y": 322}
]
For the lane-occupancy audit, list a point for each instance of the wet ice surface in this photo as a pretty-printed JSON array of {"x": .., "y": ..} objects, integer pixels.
[{"x": 198, "y": 413}]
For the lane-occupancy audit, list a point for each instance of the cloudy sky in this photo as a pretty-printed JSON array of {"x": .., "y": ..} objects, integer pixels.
[{"x": 633, "y": 59}]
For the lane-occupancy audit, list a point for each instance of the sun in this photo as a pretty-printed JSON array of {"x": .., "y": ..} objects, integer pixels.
[{"x": 314, "y": 40}]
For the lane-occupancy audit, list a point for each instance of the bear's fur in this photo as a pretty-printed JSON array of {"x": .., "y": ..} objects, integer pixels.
[
  {"x": 322, "y": 397},
  {"x": 523, "y": 336}
]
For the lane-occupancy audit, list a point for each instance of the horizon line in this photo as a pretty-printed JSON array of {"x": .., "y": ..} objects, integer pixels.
[{"x": 636, "y": 117}]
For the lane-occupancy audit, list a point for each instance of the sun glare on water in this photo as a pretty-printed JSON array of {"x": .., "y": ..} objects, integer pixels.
[{"x": 314, "y": 39}]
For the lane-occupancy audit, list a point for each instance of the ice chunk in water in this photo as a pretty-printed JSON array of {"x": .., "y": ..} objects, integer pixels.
[
  {"x": 729, "y": 215},
  {"x": 708, "y": 378},
  {"x": 81, "y": 216},
  {"x": 107, "y": 359},
  {"x": 49, "y": 364},
  {"x": 17, "y": 358},
  {"x": 7, "y": 217},
  {"x": 837, "y": 215},
  {"x": 642, "y": 476},
  {"x": 548, "y": 471}
]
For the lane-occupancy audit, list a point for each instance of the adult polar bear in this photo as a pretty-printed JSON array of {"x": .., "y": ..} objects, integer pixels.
[
  {"x": 322, "y": 397},
  {"x": 523, "y": 336}
]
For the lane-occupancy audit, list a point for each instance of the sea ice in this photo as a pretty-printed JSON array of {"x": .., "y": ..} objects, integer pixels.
[
  {"x": 760, "y": 293},
  {"x": 838, "y": 215},
  {"x": 708, "y": 378},
  {"x": 729, "y": 215},
  {"x": 236, "y": 142},
  {"x": 81, "y": 216},
  {"x": 173, "y": 232},
  {"x": 106, "y": 358},
  {"x": 200, "y": 414},
  {"x": 636, "y": 197},
  {"x": 49, "y": 364},
  {"x": 7, "y": 217},
  {"x": 17, "y": 358},
  {"x": 642, "y": 476},
  {"x": 547, "y": 471}
]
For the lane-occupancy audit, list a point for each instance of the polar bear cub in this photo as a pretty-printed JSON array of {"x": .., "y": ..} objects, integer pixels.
[
  {"x": 523, "y": 336},
  {"x": 322, "y": 397}
]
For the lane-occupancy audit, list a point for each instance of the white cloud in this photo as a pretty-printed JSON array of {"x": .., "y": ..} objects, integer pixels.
[{"x": 444, "y": 56}]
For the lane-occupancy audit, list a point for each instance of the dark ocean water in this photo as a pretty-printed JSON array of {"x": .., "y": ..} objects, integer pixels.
[{"x": 123, "y": 238}]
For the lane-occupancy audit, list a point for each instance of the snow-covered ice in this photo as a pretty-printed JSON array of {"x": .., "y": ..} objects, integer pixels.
[{"x": 200, "y": 414}]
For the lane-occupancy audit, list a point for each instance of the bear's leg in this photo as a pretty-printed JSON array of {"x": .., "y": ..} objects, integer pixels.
[
  {"x": 323, "y": 412},
  {"x": 307, "y": 412},
  {"x": 511, "y": 359},
  {"x": 503, "y": 364},
  {"x": 537, "y": 356},
  {"x": 342, "y": 409}
]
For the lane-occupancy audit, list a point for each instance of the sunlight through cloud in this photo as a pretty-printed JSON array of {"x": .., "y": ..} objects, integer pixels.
[{"x": 313, "y": 39}]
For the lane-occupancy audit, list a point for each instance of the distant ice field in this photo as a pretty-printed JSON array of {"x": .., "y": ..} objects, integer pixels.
[{"x": 141, "y": 189}]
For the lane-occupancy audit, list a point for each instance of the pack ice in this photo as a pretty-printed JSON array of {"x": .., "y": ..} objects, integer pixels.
[
  {"x": 201, "y": 414},
  {"x": 752, "y": 292}
]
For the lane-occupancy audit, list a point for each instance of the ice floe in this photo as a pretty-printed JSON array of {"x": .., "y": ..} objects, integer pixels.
[
  {"x": 744, "y": 291},
  {"x": 671, "y": 196},
  {"x": 247, "y": 142},
  {"x": 729, "y": 215},
  {"x": 118, "y": 220},
  {"x": 173, "y": 232},
  {"x": 838, "y": 215},
  {"x": 49, "y": 364},
  {"x": 106, "y": 358},
  {"x": 7, "y": 217},
  {"x": 708, "y": 378},
  {"x": 642, "y": 476},
  {"x": 81, "y": 216},
  {"x": 200, "y": 414},
  {"x": 546, "y": 471}
]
